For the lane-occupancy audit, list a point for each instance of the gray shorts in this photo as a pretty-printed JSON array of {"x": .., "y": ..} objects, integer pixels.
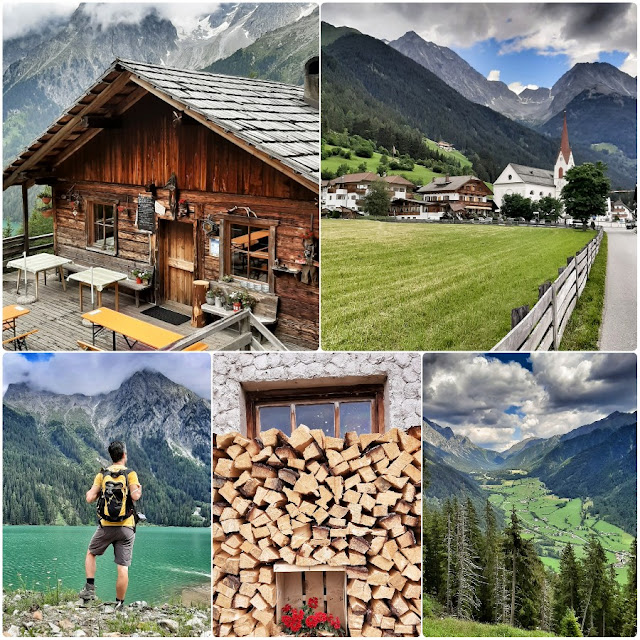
[{"x": 120, "y": 537}]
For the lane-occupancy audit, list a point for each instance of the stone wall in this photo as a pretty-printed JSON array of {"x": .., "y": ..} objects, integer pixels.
[{"x": 400, "y": 371}]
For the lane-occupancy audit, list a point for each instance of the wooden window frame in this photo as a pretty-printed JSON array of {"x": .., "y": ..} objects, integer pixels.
[
  {"x": 315, "y": 395},
  {"x": 226, "y": 221},
  {"x": 90, "y": 223}
]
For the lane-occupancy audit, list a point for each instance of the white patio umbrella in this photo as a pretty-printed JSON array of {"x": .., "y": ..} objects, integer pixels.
[{"x": 26, "y": 298}]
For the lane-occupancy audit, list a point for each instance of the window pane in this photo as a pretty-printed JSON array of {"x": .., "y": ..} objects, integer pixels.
[
  {"x": 259, "y": 239},
  {"x": 276, "y": 418},
  {"x": 238, "y": 262},
  {"x": 355, "y": 416},
  {"x": 239, "y": 235},
  {"x": 259, "y": 269},
  {"x": 317, "y": 416}
]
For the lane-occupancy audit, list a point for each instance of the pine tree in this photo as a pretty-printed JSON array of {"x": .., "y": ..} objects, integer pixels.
[
  {"x": 512, "y": 548},
  {"x": 468, "y": 570},
  {"x": 490, "y": 553},
  {"x": 568, "y": 626},
  {"x": 630, "y": 594},
  {"x": 567, "y": 591}
]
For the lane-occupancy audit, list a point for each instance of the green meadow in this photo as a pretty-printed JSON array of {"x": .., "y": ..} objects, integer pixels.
[
  {"x": 553, "y": 522},
  {"x": 432, "y": 287}
]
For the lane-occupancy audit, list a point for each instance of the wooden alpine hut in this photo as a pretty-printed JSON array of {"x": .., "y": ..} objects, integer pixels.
[{"x": 189, "y": 176}]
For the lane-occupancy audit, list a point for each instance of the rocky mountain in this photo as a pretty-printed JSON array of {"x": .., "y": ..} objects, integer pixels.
[
  {"x": 597, "y": 460},
  {"x": 166, "y": 428},
  {"x": 534, "y": 106},
  {"x": 279, "y": 55},
  {"x": 459, "y": 74},
  {"x": 459, "y": 451},
  {"x": 366, "y": 82}
]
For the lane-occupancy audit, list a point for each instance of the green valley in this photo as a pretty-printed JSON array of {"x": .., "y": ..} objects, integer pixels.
[{"x": 552, "y": 522}]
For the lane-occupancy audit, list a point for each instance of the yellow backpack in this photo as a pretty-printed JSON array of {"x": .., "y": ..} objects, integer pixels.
[{"x": 114, "y": 502}]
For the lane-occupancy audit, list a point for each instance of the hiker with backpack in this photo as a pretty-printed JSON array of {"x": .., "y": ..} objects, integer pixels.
[{"x": 115, "y": 488}]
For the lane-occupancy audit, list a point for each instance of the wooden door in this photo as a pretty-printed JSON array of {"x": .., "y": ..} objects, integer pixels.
[{"x": 177, "y": 259}]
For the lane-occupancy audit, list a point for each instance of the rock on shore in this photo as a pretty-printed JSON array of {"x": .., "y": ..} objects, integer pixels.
[{"x": 24, "y": 616}]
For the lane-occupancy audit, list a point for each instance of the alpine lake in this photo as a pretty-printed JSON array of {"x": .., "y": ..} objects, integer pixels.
[{"x": 169, "y": 563}]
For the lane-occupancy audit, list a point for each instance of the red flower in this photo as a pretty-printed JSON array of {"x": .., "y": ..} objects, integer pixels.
[
  {"x": 286, "y": 608},
  {"x": 321, "y": 616},
  {"x": 336, "y": 623},
  {"x": 313, "y": 603},
  {"x": 295, "y": 627},
  {"x": 311, "y": 622}
]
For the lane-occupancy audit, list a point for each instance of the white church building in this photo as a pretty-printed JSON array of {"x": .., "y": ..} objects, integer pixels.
[{"x": 532, "y": 182}]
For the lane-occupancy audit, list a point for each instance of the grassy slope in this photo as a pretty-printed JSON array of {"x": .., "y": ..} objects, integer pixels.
[
  {"x": 419, "y": 172},
  {"x": 533, "y": 502},
  {"x": 583, "y": 330},
  {"x": 454, "y": 628},
  {"x": 432, "y": 287}
]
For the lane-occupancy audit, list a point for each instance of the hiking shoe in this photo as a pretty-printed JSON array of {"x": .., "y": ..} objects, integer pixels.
[
  {"x": 88, "y": 592},
  {"x": 119, "y": 607}
]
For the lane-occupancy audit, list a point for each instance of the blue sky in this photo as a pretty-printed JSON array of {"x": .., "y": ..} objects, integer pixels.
[
  {"x": 521, "y": 43},
  {"x": 496, "y": 400},
  {"x": 527, "y": 66},
  {"x": 94, "y": 373}
]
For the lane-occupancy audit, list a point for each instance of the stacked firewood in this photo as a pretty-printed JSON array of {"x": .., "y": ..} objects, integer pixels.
[{"x": 312, "y": 500}]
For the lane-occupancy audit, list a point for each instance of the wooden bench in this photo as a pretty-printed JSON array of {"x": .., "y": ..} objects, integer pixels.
[
  {"x": 19, "y": 342},
  {"x": 86, "y": 346},
  {"x": 130, "y": 284}
]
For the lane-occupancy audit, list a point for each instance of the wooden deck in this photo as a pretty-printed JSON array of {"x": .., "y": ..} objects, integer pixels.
[{"x": 56, "y": 315}]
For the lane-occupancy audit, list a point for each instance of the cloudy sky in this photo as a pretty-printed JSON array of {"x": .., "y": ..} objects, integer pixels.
[
  {"x": 92, "y": 373},
  {"x": 21, "y": 17},
  {"x": 524, "y": 44},
  {"x": 498, "y": 400}
]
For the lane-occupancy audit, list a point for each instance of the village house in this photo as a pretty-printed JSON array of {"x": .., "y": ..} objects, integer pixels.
[
  {"x": 445, "y": 146},
  {"x": 535, "y": 183},
  {"x": 350, "y": 190},
  {"x": 620, "y": 210},
  {"x": 456, "y": 197},
  {"x": 189, "y": 176}
]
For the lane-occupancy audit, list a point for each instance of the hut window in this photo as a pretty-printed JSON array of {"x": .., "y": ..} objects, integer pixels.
[
  {"x": 101, "y": 227},
  {"x": 334, "y": 411}
]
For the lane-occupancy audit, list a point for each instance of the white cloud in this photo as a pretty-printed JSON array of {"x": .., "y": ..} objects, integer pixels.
[
  {"x": 496, "y": 404},
  {"x": 94, "y": 373},
  {"x": 494, "y": 75},
  {"x": 19, "y": 18},
  {"x": 581, "y": 31},
  {"x": 518, "y": 87},
  {"x": 630, "y": 65}
]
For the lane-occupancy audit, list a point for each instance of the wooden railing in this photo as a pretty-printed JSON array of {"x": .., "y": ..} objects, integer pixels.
[
  {"x": 543, "y": 326},
  {"x": 251, "y": 332},
  {"x": 13, "y": 246}
]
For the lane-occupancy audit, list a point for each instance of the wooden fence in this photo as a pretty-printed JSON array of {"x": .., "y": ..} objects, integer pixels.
[
  {"x": 13, "y": 246},
  {"x": 542, "y": 327}
]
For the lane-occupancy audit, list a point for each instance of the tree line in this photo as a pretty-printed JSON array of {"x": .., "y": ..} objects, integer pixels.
[{"x": 494, "y": 575}]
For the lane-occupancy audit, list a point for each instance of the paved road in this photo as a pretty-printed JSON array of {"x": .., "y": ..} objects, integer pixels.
[{"x": 619, "y": 323}]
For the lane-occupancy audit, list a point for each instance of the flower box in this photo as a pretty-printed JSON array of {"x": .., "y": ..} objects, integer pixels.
[{"x": 295, "y": 585}]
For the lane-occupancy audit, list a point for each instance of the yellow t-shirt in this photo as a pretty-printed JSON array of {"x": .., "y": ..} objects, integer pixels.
[{"x": 132, "y": 479}]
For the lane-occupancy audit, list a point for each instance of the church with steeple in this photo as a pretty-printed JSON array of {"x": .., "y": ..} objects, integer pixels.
[{"x": 535, "y": 183}]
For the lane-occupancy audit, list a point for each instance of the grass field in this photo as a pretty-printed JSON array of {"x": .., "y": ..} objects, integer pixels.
[
  {"x": 552, "y": 521},
  {"x": 583, "y": 330},
  {"x": 454, "y": 628},
  {"x": 429, "y": 287}
]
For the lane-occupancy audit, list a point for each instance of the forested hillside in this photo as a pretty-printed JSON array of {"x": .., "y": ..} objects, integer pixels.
[{"x": 54, "y": 445}]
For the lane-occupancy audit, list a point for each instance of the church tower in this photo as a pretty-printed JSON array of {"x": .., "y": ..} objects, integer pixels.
[{"x": 564, "y": 162}]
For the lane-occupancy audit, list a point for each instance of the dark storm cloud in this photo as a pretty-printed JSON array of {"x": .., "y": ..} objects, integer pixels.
[{"x": 496, "y": 403}]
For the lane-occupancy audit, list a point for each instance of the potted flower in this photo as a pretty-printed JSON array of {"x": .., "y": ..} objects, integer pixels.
[
  {"x": 308, "y": 622},
  {"x": 121, "y": 208},
  {"x": 183, "y": 207},
  {"x": 218, "y": 297},
  {"x": 210, "y": 296},
  {"x": 248, "y": 301},
  {"x": 145, "y": 276},
  {"x": 236, "y": 300},
  {"x": 137, "y": 274},
  {"x": 227, "y": 278},
  {"x": 45, "y": 197}
]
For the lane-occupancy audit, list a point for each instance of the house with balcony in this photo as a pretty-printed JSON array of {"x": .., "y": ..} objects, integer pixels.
[
  {"x": 456, "y": 196},
  {"x": 350, "y": 190}
]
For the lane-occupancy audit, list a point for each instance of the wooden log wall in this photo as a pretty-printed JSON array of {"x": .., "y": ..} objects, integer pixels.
[
  {"x": 310, "y": 500},
  {"x": 213, "y": 174}
]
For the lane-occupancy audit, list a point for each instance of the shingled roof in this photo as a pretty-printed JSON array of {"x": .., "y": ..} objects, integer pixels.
[
  {"x": 534, "y": 175},
  {"x": 270, "y": 117}
]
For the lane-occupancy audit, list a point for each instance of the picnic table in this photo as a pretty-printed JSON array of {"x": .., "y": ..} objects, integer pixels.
[
  {"x": 245, "y": 241},
  {"x": 36, "y": 264},
  {"x": 101, "y": 279},
  {"x": 9, "y": 316},
  {"x": 131, "y": 329}
]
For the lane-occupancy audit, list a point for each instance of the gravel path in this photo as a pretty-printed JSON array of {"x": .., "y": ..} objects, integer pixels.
[{"x": 619, "y": 323}]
